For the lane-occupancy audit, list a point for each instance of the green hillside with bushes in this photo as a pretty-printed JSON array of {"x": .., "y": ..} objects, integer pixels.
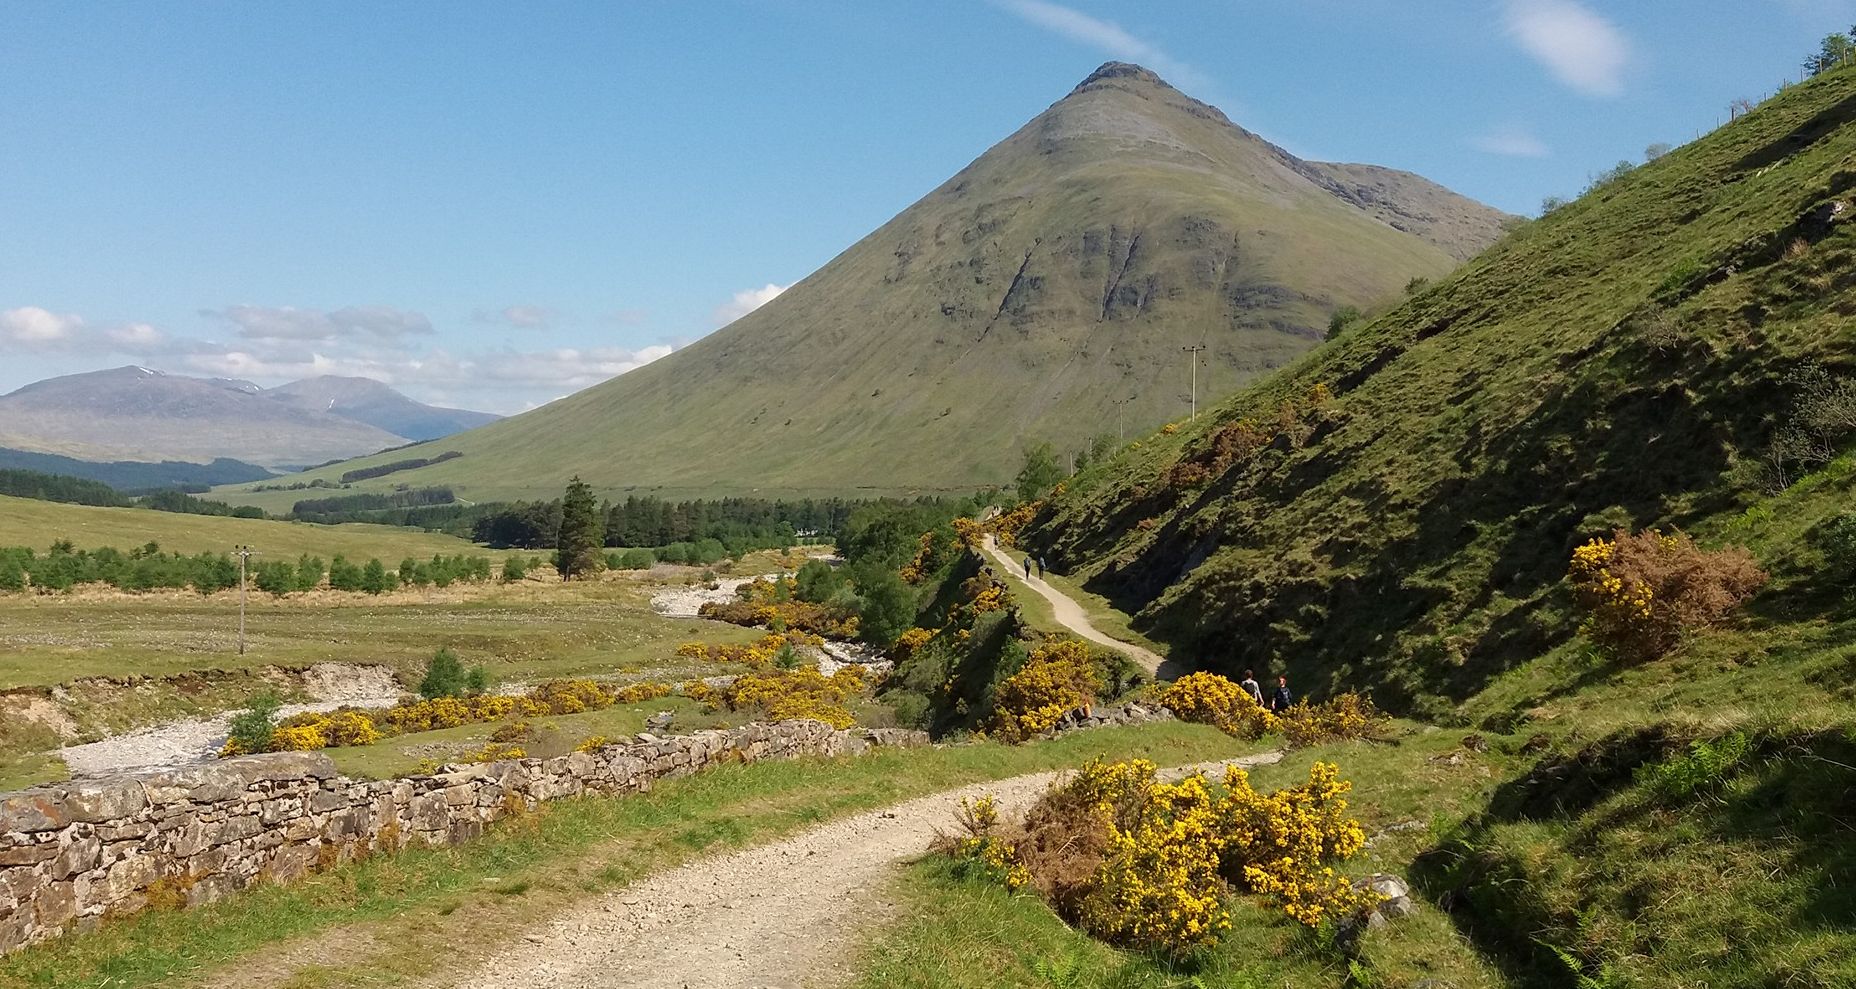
[{"x": 1587, "y": 503}]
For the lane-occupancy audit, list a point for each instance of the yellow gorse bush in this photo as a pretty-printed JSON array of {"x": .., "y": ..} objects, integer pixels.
[
  {"x": 1343, "y": 716},
  {"x": 782, "y": 695},
  {"x": 1643, "y": 592},
  {"x": 981, "y": 849},
  {"x": 1209, "y": 699},
  {"x": 757, "y": 655},
  {"x": 1161, "y": 860},
  {"x": 1055, "y": 680},
  {"x": 307, "y": 732}
]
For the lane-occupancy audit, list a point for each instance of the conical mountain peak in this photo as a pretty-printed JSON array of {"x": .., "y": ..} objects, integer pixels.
[
  {"x": 1125, "y": 72},
  {"x": 1045, "y": 291},
  {"x": 1140, "y": 81}
]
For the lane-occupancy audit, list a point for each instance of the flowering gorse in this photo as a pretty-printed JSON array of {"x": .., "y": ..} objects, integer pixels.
[
  {"x": 1055, "y": 680},
  {"x": 1207, "y": 698},
  {"x": 1642, "y": 593},
  {"x": 1152, "y": 865}
]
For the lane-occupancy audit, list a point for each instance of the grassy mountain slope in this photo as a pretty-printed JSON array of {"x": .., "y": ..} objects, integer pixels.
[
  {"x": 1604, "y": 366},
  {"x": 374, "y": 403},
  {"x": 1626, "y": 361},
  {"x": 1044, "y": 292}
]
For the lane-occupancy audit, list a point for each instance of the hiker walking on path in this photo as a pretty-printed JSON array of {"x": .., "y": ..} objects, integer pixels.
[
  {"x": 1042, "y": 566},
  {"x": 1027, "y": 567},
  {"x": 1281, "y": 700},
  {"x": 1251, "y": 687}
]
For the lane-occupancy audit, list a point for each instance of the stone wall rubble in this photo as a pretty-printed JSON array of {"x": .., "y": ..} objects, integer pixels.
[{"x": 74, "y": 853}]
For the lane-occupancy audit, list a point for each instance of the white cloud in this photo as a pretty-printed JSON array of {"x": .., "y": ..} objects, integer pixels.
[
  {"x": 522, "y": 317},
  {"x": 31, "y": 326},
  {"x": 1513, "y": 141},
  {"x": 1585, "y": 51},
  {"x": 291, "y": 323},
  {"x": 1104, "y": 36},
  {"x": 136, "y": 337},
  {"x": 746, "y": 301}
]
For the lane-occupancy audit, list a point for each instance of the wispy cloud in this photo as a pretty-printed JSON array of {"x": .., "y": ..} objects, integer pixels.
[
  {"x": 1513, "y": 141},
  {"x": 522, "y": 317},
  {"x": 291, "y": 323},
  {"x": 746, "y": 301},
  {"x": 1106, "y": 37},
  {"x": 1585, "y": 51}
]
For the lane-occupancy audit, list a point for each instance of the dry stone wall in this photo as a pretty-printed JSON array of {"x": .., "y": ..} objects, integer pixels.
[{"x": 72, "y": 854}]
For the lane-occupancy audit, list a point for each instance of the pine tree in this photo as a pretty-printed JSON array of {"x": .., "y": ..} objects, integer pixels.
[{"x": 577, "y": 547}]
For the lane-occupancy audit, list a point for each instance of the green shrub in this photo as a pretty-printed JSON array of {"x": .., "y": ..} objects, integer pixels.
[
  {"x": 275, "y": 577},
  {"x": 411, "y": 574},
  {"x": 888, "y": 608},
  {"x": 444, "y": 676},
  {"x": 1706, "y": 765},
  {"x": 816, "y": 582},
  {"x": 374, "y": 578},
  {"x": 344, "y": 576},
  {"x": 1837, "y": 540},
  {"x": 514, "y": 569},
  {"x": 636, "y": 559},
  {"x": 251, "y": 728}
]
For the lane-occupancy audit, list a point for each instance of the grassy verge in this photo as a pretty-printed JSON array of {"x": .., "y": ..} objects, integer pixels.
[
  {"x": 962, "y": 933},
  {"x": 31, "y": 769},
  {"x": 386, "y": 913}
]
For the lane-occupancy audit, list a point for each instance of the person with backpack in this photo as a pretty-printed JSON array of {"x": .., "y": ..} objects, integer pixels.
[
  {"x": 1027, "y": 567},
  {"x": 1280, "y": 699},
  {"x": 1251, "y": 687},
  {"x": 1042, "y": 566}
]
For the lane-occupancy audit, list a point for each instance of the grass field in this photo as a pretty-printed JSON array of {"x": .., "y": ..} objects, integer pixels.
[
  {"x": 38, "y": 524},
  {"x": 375, "y": 922},
  {"x": 524, "y": 631}
]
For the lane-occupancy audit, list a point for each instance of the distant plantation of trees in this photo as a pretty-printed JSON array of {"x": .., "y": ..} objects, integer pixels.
[
  {"x": 370, "y": 502},
  {"x": 382, "y": 470},
  {"x": 78, "y": 491},
  {"x": 147, "y": 568},
  {"x": 55, "y": 487}
]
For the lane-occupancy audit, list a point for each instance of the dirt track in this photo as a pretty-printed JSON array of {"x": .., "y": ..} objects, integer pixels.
[
  {"x": 776, "y": 917},
  {"x": 1071, "y": 615}
]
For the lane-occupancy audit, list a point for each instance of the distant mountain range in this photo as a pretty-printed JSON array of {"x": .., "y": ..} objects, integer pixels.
[
  {"x": 1047, "y": 291},
  {"x": 142, "y": 415}
]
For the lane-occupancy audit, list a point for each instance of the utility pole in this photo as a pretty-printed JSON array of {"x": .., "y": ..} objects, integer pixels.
[
  {"x": 1195, "y": 350},
  {"x": 244, "y": 553}
]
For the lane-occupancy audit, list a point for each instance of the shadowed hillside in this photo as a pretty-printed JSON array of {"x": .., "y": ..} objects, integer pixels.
[{"x": 1626, "y": 361}]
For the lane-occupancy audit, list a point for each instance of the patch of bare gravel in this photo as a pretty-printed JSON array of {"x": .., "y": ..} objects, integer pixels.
[
  {"x": 780, "y": 916},
  {"x": 196, "y": 740},
  {"x": 687, "y": 602}
]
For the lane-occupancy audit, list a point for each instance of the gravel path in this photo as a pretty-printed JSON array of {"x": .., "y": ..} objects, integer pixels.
[
  {"x": 197, "y": 740},
  {"x": 780, "y": 916},
  {"x": 1071, "y": 615}
]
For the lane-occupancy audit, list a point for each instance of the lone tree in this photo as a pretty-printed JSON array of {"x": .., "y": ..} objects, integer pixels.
[
  {"x": 577, "y": 546},
  {"x": 1040, "y": 472}
]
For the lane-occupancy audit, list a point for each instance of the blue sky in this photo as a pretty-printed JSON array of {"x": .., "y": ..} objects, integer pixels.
[{"x": 494, "y": 205}]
